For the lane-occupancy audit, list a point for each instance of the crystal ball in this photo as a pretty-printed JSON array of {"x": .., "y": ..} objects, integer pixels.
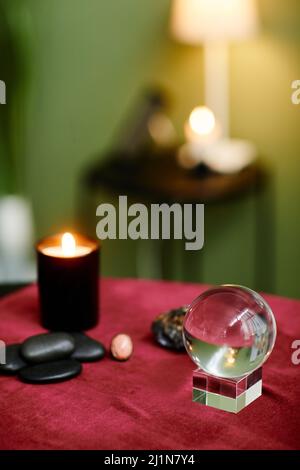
[{"x": 229, "y": 331}]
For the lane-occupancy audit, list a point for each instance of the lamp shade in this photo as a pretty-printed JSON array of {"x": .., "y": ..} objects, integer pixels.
[{"x": 198, "y": 21}]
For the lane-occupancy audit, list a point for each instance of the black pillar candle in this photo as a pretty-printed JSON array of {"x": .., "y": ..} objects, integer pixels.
[{"x": 68, "y": 282}]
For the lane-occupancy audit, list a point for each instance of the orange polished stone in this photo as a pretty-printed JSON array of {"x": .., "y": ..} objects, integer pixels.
[{"x": 121, "y": 347}]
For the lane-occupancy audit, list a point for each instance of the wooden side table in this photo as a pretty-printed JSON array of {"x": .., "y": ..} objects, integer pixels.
[{"x": 158, "y": 177}]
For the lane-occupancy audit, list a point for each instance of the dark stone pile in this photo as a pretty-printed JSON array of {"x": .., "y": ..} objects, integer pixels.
[
  {"x": 167, "y": 329},
  {"x": 51, "y": 357}
]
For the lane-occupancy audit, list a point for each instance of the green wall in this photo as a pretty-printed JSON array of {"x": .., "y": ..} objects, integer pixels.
[
  {"x": 89, "y": 58},
  {"x": 262, "y": 74}
]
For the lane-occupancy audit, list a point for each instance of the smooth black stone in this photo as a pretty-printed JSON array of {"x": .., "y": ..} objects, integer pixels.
[
  {"x": 50, "y": 372},
  {"x": 47, "y": 347},
  {"x": 87, "y": 349},
  {"x": 14, "y": 361},
  {"x": 167, "y": 329}
]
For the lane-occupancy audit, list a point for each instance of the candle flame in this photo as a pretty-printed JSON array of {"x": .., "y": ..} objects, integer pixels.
[
  {"x": 68, "y": 244},
  {"x": 202, "y": 120}
]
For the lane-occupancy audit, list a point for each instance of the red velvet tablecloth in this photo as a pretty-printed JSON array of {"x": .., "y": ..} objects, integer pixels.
[{"x": 144, "y": 403}]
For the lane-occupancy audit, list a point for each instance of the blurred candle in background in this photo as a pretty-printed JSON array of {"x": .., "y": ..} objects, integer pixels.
[
  {"x": 201, "y": 127},
  {"x": 205, "y": 144}
]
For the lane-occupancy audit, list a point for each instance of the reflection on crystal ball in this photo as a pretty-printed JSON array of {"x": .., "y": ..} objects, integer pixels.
[{"x": 229, "y": 331}]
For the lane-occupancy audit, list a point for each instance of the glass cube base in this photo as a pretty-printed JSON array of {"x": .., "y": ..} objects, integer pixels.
[{"x": 226, "y": 394}]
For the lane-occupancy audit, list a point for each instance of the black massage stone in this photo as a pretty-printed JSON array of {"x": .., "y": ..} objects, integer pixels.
[
  {"x": 47, "y": 347},
  {"x": 50, "y": 372},
  {"x": 14, "y": 361},
  {"x": 87, "y": 349}
]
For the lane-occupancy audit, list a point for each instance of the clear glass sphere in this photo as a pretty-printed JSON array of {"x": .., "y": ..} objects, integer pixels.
[{"x": 229, "y": 331}]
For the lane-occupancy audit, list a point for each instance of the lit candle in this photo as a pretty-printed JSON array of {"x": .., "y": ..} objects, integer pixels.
[
  {"x": 68, "y": 282},
  {"x": 67, "y": 248}
]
